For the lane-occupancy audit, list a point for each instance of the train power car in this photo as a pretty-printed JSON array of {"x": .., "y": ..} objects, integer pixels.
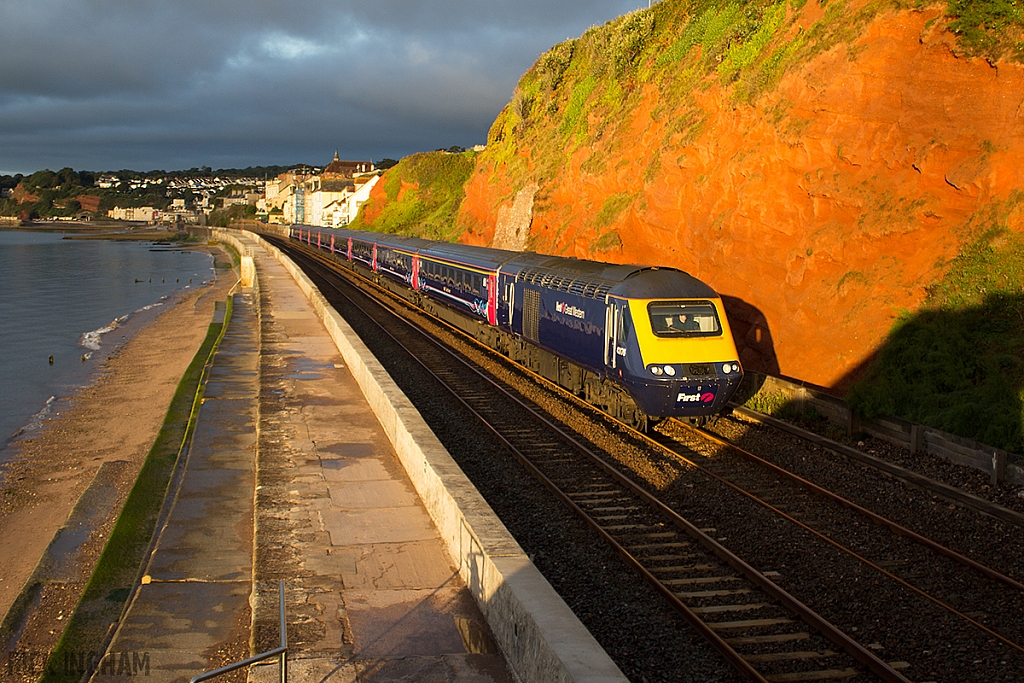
[{"x": 639, "y": 342}]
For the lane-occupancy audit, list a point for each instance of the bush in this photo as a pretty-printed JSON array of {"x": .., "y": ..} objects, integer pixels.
[
  {"x": 958, "y": 364},
  {"x": 987, "y": 27}
]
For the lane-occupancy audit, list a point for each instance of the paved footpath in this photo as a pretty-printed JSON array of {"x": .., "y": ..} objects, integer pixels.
[
  {"x": 370, "y": 593},
  {"x": 192, "y": 611}
]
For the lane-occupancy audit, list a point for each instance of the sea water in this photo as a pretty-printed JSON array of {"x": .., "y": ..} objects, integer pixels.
[{"x": 74, "y": 301}]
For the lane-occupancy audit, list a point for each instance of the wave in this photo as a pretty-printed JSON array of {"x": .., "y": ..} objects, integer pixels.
[
  {"x": 91, "y": 340},
  {"x": 36, "y": 421}
]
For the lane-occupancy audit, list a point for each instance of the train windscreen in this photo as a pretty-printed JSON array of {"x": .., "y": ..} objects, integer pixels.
[{"x": 684, "y": 319}]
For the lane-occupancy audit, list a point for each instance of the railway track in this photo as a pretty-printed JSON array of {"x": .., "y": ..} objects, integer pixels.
[
  {"x": 813, "y": 508},
  {"x": 765, "y": 632}
]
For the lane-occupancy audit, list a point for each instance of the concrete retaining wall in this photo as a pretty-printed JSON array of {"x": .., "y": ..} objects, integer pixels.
[
  {"x": 247, "y": 268},
  {"x": 541, "y": 638}
]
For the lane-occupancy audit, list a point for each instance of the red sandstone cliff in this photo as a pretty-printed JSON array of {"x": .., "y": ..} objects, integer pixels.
[{"x": 821, "y": 206}]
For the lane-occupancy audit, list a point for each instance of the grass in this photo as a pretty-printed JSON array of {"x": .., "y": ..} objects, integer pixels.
[
  {"x": 613, "y": 206},
  {"x": 988, "y": 28},
  {"x": 958, "y": 364},
  {"x": 434, "y": 187},
  {"x": 780, "y": 406},
  {"x": 609, "y": 241},
  {"x": 114, "y": 576},
  {"x": 575, "y": 110}
]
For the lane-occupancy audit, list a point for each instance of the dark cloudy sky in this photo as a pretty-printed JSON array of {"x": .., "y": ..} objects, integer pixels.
[{"x": 174, "y": 84}]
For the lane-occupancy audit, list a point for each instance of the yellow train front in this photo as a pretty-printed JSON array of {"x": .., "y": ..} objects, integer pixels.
[{"x": 673, "y": 350}]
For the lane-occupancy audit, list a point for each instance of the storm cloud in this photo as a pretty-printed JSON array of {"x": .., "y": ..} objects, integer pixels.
[{"x": 110, "y": 84}]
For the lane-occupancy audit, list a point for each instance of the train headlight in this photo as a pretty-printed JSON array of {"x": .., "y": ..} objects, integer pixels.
[
  {"x": 656, "y": 371},
  {"x": 670, "y": 371},
  {"x": 735, "y": 367},
  {"x": 727, "y": 368}
]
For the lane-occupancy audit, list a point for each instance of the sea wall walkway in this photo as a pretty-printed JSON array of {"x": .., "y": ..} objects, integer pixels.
[{"x": 299, "y": 470}]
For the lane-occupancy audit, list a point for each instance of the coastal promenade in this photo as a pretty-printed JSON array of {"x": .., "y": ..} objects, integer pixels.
[
  {"x": 299, "y": 470},
  {"x": 308, "y": 466},
  {"x": 322, "y": 503},
  {"x": 65, "y": 484}
]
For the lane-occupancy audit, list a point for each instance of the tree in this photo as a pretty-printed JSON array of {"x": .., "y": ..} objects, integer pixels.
[
  {"x": 66, "y": 177},
  {"x": 40, "y": 179}
]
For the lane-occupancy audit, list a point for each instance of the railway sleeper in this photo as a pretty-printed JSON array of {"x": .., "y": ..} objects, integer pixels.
[{"x": 822, "y": 675}]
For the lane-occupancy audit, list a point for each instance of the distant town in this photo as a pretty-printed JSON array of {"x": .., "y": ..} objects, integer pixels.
[{"x": 328, "y": 196}]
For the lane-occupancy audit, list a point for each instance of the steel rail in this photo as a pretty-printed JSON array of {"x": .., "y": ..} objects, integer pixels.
[
  {"x": 852, "y": 553},
  {"x": 895, "y": 527}
]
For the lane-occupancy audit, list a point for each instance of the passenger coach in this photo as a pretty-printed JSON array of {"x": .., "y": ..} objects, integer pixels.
[{"x": 640, "y": 342}]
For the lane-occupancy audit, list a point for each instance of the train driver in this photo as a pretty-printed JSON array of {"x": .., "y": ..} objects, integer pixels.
[{"x": 683, "y": 323}]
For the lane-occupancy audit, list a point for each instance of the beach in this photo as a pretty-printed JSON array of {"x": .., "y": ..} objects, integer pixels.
[{"x": 115, "y": 419}]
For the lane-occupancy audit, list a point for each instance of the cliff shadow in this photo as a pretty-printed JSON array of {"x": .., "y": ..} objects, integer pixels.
[
  {"x": 754, "y": 344},
  {"x": 960, "y": 371}
]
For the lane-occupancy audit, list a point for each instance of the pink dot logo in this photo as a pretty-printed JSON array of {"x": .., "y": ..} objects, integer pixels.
[{"x": 707, "y": 397}]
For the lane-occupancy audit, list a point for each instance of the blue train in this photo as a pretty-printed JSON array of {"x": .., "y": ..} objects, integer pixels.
[{"x": 639, "y": 342}]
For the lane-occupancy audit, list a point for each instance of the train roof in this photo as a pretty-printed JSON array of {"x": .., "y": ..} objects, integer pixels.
[
  {"x": 413, "y": 244},
  {"x": 593, "y": 279},
  {"x": 663, "y": 283},
  {"x": 597, "y": 280},
  {"x": 482, "y": 257}
]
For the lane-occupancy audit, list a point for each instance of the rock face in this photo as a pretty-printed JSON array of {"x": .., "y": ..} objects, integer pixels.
[{"x": 820, "y": 208}]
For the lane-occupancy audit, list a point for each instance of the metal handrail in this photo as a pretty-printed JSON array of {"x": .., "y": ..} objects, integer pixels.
[{"x": 281, "y": 651}]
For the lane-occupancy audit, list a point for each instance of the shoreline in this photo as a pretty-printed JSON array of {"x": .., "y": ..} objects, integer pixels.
[
  {"x": 110, "y": 422},
  {"x": 134, "y": 323},
  {"x": 104, "y": 230}
]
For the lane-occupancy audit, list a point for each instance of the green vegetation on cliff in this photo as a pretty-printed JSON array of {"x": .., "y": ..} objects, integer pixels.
[
  {"x": 988, "y": 28},
  {"x": 583, "y": 90},
  {"x": 958, "y": 363},
  {"x": 423, "y": 193}
]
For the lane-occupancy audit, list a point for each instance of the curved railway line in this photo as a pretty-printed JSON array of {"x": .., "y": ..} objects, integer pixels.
[{"x": 671, "y": 506}]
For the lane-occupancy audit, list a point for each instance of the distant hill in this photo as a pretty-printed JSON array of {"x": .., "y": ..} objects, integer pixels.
[{"x": 70, "y": 193}]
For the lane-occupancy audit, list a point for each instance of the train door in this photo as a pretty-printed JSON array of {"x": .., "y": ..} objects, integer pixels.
[
  {"x": 318, "y": 233},
  {"x": 492, "y": 299},
  {"x": 615, "y": 329},
  {"x": 510, "y": 299},
  {"x": 332, "y": 244},
  {"x": 414, "y": 273},
  {"x": 373, "y": 259}
]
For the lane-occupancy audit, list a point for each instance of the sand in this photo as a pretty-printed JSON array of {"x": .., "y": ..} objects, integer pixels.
[{"x": 116, "y": 418}]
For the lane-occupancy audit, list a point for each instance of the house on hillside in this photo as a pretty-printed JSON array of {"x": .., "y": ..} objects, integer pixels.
[
  {"x": 146, "y": 214},
  {"x": 328, "y": 198},
  {"x": 345, "y": 169}
]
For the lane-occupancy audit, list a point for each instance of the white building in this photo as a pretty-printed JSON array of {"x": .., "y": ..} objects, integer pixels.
[{"x": 146, "y": 214}]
